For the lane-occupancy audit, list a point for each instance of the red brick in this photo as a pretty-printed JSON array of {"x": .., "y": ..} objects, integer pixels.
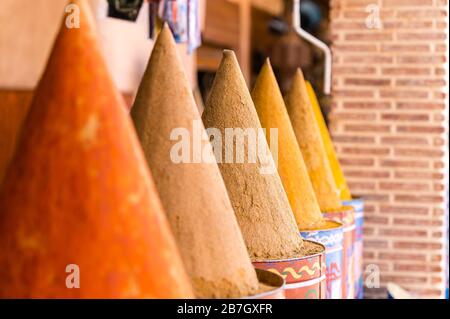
[
  {"x": 376, "y": 243},
  {"x": 406, "y": 71},
  {"x": 417, "y": 222},
  {"x": 416, "y": 245},
  {"x": 367, "y": 174},
  {"x": 366, "y": 151},
  {"x": 418, "y": 175},
  {"x": 417, "y": 267},
  {"x": 405, "y": 48},
  {"x": 374, "y": 197},
  {"x": 408, "y": 3},
  {"x": 367, "y": 128},
  {"x": 353, "y": 116},
  {"x": 353, "y": 139},
  {"x": 404, "y": 210},
  {"x": 418, "y": 152},
  {"x": 354, "y": 70},
  {"x": 420, "y": 82},
  {"x": 419, "y": 14},
  {"x": 404, "y": 163},
  {"x": 420, "y": 106},
  {"x": 367, "y": 105},
  {"x": 404, "y": 94},
  {"x": 357, "y": 161},
  {"x": 402, "y": 232},
  {"x": 403, "y": 140},
  {"x": 404, "y": 186},
  {"x": 368, "y": 36},
  {"x": 401, "y": 280},
  {"x": 379, "y": 220},
  {"x": 352, "y": 93},
  {"x": 405, "y": 117},
  {"x": 361, "y": 185},
  {"x": 407, "y": 24},
  {"x": 415, "y": 36},
  {"x": 388, "y": 126},
  {"x": 402, "y": 256},
  {"x": 421, "y": 60},
  {"x": 367, "y": 82},
  {"x": 374, "y": 59},
  {"x": 430, "y": 199},
  {"x": 420, "y": 129},
  {"x": 354, "y": 48}
]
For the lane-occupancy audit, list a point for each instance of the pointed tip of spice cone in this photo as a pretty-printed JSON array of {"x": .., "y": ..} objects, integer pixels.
[
  {"x": 78, "y": 194},
  {"x": 313, "y": 150},
  {"x": 208, "y": 235},
  {"x": 291, "y": 167},
  {"x": 258, "y": 197},
  {"x": 338, "y": 174}
]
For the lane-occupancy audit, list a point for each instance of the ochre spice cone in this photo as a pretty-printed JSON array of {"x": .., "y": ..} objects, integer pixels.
[
  {"x": 308, "y": 136},
  {"x": 78, "y": 190},
  {"x": 338, "y": 174},
  {"x": 193, "y": 194},
  {"x": 259, "y": 200},
  {"x": 291, "y": 167}
]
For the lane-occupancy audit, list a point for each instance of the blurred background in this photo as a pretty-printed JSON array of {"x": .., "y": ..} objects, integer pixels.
[{"x": 387, "y": 111}]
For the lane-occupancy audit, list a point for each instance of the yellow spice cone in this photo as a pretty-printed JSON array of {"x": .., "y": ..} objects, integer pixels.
[
  {"x": 338, "y": 174},
  {"x": 291, "y": 166},
  {"x": 313, "y": 150}
]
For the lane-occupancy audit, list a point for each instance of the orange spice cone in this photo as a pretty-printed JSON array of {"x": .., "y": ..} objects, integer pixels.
[
  {"x": 257, "y": 195},
  {"x": 291, "y": 167},
  {"x": 338, "y": 174},
  {"x": 192, "y": 192},
  {"x": 308, "y": 136},
  {"x": 78, "y": 195}
]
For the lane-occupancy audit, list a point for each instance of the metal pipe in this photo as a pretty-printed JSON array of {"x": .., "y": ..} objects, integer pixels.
[{"x": 318, "y": 43}]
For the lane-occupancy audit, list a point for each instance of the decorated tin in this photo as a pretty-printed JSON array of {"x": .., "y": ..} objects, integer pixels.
[
  {"x": 332, "y": 238},
  {"x": 358, "y": 205},
  {"x": 304, "y": 276},
  {"x": 346, "y": 216}
]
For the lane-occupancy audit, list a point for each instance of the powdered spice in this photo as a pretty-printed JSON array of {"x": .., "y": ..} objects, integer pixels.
[
  {"x": 193, "y": 194},
  {"x": 259, "y": 200},
  {"x": 291, "y": 167}
]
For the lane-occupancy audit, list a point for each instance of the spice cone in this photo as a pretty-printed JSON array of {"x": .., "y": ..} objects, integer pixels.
[
  {"x": 192, "y": 192},
  {"x": 338, "y": 174},
  {"x": 291, "y": 167},
  {"x": 308, "y": 136},
  {"x": 78, "y": 195},
  {"x": 257, "y": 195}
]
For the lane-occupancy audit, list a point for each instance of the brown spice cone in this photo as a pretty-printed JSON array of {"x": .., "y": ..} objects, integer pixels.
[
  {"x": 193, "y": 194},
  {"x": 259, "y": 200},
  {"x": 78, "y": 191},
  {"x": 311, "y": 144},
  {"x": 291, "y": 167}
]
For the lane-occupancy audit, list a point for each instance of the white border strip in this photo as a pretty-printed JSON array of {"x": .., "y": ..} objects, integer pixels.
[{"x": 304, "y": 283}]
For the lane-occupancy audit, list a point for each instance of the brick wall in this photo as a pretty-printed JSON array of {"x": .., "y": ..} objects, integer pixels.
[{"x": 389, "y": 123}]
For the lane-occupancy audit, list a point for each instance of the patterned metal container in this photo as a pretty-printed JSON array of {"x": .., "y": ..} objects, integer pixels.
[
  {"x": 332, "y": 238},
  {"x": 358, "y": 205},
  {"x": 346, "y": 216},
  {"x": 304, "y": 276}
]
